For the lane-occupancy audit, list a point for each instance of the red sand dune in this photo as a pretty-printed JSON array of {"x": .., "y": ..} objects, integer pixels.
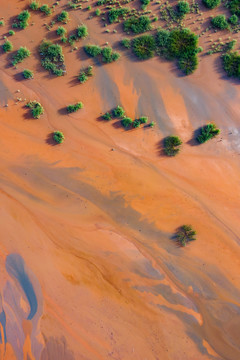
[{"x": 89, "y": 269}]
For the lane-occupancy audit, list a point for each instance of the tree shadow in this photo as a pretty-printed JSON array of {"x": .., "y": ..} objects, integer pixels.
[
  {"x": 193, "y": 141},
  {"x": 19, "y": 77},
  {"x": 160, "y": 148},
  {"x": 50, "y": 141},
  {"x": 63, "y": 111}
]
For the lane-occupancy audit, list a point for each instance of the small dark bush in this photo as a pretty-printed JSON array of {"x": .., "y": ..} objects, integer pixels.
[
  {"x": 233, "y": 19},
  {"x": 137, "y": 25},
  {"x": 126, "y": 122},
  {"x": 185, "y": 234},
  {"x": 93, "y": 50},
  {"x": 34, "y": 5},
  {"x": 144, "y": 46},
  {"x": 172, "y": 145},
  {"x": 75, "y": 107},
  {"x": 22, "y": 20},
  {"x": 220, "y": 22},
  {"x": 211, "y": 4},
  {"x": 85, "y": 74},
  {"x": 114, "y": 14},
  {"x": 234, "y": 6},
  {"x": 52, "y": 58},
  {"x": 45, "y": 9},
  {"x": 63, "y": 17},
  {"x": 58, "y": 137},
  {"x": 108, "y": 55},
  {"x": 162, "y": 43},
  {"x": 82, "y": 32},
  {"x": 27, "y": 74},
  {"x": 208, "y": 132},
  {"x": 118, "y": 112},
  {"x": 107, "y": 116},
  {"x": 231, "y": 64},
  {"x": 143, "y": 119},
  {"x": 145, "y": 3},
  {"x": 188, "y": 64},
  {"x": 11, "y": 32},
  {"x": 136, "y": 123},
  {"x": 61, "y": 31},
  {"x": 36, "y": 109},
  {"x": 126, "y": 43},
  {"x": 7, "y": 46},
  {"x": 22, "y": 53},
  {"x": 183, "y": 8}
]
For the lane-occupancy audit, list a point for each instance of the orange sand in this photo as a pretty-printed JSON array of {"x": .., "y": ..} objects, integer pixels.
[{"x": 94, "y": 226}]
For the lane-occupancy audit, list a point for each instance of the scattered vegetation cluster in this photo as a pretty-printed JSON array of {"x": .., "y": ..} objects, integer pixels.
[
  {"x": 85, "y": 74},
  {"x": 22, "y": 20},
  {"x": 107, "y": 53},
  {"x": 185, "y": 234},
  {"x": 21, "y": 54},
  {"x": 208, "y": 132},
  {"x": 74, "y": 107},
  {"x": 52, "y": 58},
  {"x": 36, "y": 109},
  {"x": 172, "y": 145},
  {"x": 119, "y": 113}
]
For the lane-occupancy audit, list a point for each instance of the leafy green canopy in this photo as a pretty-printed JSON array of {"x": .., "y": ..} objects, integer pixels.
[
  {"x": 186, "y": 234},
  {"x": 211, "y": 4},
  {"x": 231, "y": 64},
  {"x": 172, "y": 145},
  {"x": 36, "y": 109},
  {"x": 21, "y": 54},
  {"x": 58, "y": 137},
  {"x": 144, "y": 46},
  {"x": 52, "y": 58},
  {"x": 137, "y": 25},
  {"x": 208, "y": 132}
]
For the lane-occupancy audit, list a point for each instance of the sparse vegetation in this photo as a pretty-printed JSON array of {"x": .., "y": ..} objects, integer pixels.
[
  {"x": 63, "y": 17},
  {"x": 58, "y": 137},
  {"x": 114, "y": 14},
  {"x": 52, "y": 58},
  {"x": 61, "y": 31},
  {"x": 2, "y": 23},
  {"x": 36, "y": 109},
  {"x": 126, "y": 43},
  {"x": 45, "y": 9},
  {"x": 7, "y": 46},
  {"x": 93, "y": 50},
  {"x": 27, "y": 74},
  {"x": 34, "y": 5},
  {"x": 185, "y": 234},
  {"x": 21, "y": 54},
  {"x": 107, "y": 116},
  {"x": 108, "y": 55},
  {"x": 208, "y": 132},
  {"x": 11, "y": 32},
  {"x": 82, "y": 32},
  {"x": 75, "y": 107},
  {"x": 126, "y": 122},
  {"x": 85, "y": 74},
  {"x": 172, "y": 145}
]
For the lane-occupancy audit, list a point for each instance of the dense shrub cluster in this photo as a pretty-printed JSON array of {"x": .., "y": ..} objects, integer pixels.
[
  {"x": 21, "y": 54},
  {"x": 145, "y": 3},
  {"x": 7, "y": 46},
  {"x": 58, "y": 137},
  {"x": 114, "y": 14},
  {"x": 219, "y": 22},
  {"x": 61, "y": 31},
  {"x": 119, "y": 113},
  {"x": 144, "y": 46},
  {"x": 137, "y": 25},
  {"x": 52, "y": 58},
  {"x": 211, "y": 4},
  {"x": 45, "y": 9},
  {"x": 107, "y": 53},
  {"x": 85, "y": 74},
  {"x": 36, "y": 109},
  {"x": 63, "y": 17},
  {"x": 233, "y": 19},
  {"x": 126, "y": 43},
  {"x": 80, "y": 33},
  {"x": 27, "y": 74},
  {"x": 208, "y": 132},
  {"x": 11, "y": 32},
  {"x": 75, "y": 107},
  {"x": 185, "y": 234},
  {"x": 34, "y": 5},
  {"x": 22, "y": 20},
  {"x": 172, "y": 145},
  {"x": 183, "y": 8},
  {"x": 234, "y": 6},
  {"x": 231, "y": 64}
]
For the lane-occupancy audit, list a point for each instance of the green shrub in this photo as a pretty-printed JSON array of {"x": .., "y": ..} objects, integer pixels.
[
  {"x": 107, "y": 116},
  {"x": 63, "y": 17},
  {"x": 233, "y": 19},
  {"x": 85, "y": 74},
  {"x": 145, "y": 3},
  {"x": 186, "y": 234},
  {"x": 137, "y": 25},
  {"x": 172, "y": 145},
  {"x": 108, "y": 55},
  {"x": 52, "y": 58},
  {"x": 75, "y": 107},
  {"x": 45, "y": 9},
  {"x": 61, "y": 31},
  {"x": 98, "y": 12},
  {"x": 230, "y": 45},
  {"x": 27, "y": 74},
  {"x": 126, "y": 43},
  {"x": 144, "y": 46},
  {"x": 93, "y": 50},
  {"x": 126, "y": 122},
  {"x": 211, "y": 4},
  {"x": 34, "y": 5},
  {"x": 183, "y": 8},
  {"x": 182, "y": 43},
  {"x": 231, "y": 64},
  {"x": 234, "y": 6},
  {"x": 188, "y": 64},
  {"x": 82, "y": 32},
  {"x": 22, "y": 20},
  {"x": 162, "y": 43},
  {"x": 220, "y": 22},
  {"x": 21, "y": 54},
  {"x": 114, "y": 14},
  {"x": 208, "y": 132},
  {"x": 7, "y": 46},
  {"x": 11, "y": 32},
  {"x": 143, "y": 119},
  {"x": 136, "y": 123},
  {"x": 36, "y": 109},
  {"x": 152, "y": 124},
  {"x": 58, "y": 137},
  {"x": 118, "y": 112},
  {"x": 2, "y": 23}
]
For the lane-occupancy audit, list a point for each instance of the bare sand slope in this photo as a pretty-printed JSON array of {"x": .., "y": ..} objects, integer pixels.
[{"x": 89, "y": 266}]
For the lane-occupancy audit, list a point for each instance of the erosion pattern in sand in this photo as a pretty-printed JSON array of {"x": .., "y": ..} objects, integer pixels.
[{"x": 88, "y": 266}]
